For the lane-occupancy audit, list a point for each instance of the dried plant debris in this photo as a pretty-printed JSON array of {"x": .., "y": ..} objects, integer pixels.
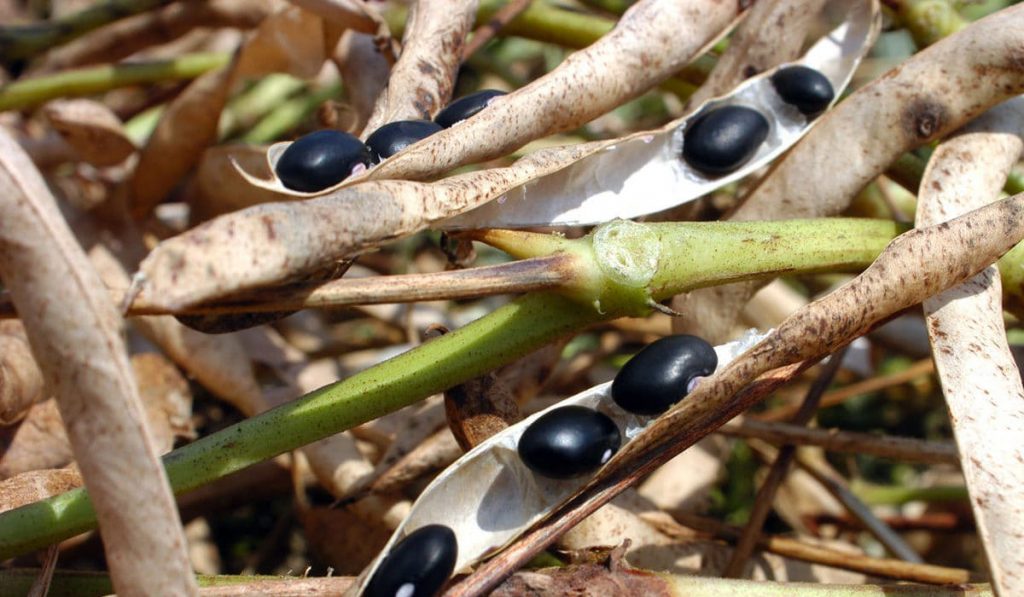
[
  {"x": 21, "y": 381},
  {"x": 92, "y": 129},
  {"x": 980, "y": 380},
  {"x": 422, "y": 80},
  {"x": 489, "y": 496},
  {"x": 77, "y": 343},
  {"x": 652, "y": 41}
]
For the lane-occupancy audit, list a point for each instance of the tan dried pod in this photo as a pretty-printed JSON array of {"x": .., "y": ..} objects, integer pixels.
[
  {"x": 364, "y": 70},
  {"x": 925, "y": 98},
  {"x": 21, "y": 382},
  {"x": 772, "y": 32},
  {"x": 221, "y": 189},
  {"x": 39, "y": 442},
  {"x": 980, "y": 380},
  {"x": 652, "y": 41},
  {"x": 92, "y": 129},
  {"x": 75, "y": 333},
  {"x": 422, "y": 80}
]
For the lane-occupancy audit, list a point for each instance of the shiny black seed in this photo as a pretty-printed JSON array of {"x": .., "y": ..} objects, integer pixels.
[
  {"x": 396, "y": 136},
  {"x": 321, "y": 159},
  {"x": 569, "y": 441},
  {"x": 418, "y": 565},
  {"x": 805, "y": 88},
  {"x": 721, "y": 140},
  {"x": 465, "y": 106},
  {"x": 660, "y": 374}
]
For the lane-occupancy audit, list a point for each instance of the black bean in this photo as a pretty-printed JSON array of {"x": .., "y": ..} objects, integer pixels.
[
  {"x": 568, "y": 442},
  {"x": 321, "y": 159},
  {"x": 417, "y": 566},
  {"x": 396, "y": 136},
  {"x": 466, "y": 106},
  {"x": 805, "y": 88},
  {"x": 660, "y": 374},
  {"x": 723, "y": 139}
]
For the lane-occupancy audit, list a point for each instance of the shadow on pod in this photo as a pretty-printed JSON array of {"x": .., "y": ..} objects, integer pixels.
[
  {"x": 466, "y": 106},
  {"x": 662, "y": 374},
  {"x": 396, "y": 136},
  {"x": 569, "y": 441},
  {"x": 803, "y": 88},
  {"x": 417, "y": 566},
  {"x": 723, "y": 139},
  {"x": 322, "y": 159}
]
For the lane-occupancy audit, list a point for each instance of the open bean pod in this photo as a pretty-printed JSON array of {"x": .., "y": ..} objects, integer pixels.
[
  {"x": 490, "y": 496},
  {"x": 643, "y": 173},
  {"x": 652, "y": 171}
]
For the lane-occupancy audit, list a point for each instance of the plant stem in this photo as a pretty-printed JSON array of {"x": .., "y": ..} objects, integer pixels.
[
  {"x": 892, "y": 495},
  {"x": 289, "y": 114},
  {"x": 88, "y": 81},
  {"x": 616, "y": 276},
  {"x": 20, "y": 42}
]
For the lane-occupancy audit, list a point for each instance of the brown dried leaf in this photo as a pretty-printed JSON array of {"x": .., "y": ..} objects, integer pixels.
[
  {"x": 345, "y": 541},
  {"x": 979, "y": 377},
  {"x": 289, "y": 41},
  {"x": 75, "y": 333},
  {"x": 21, "y": 382},
  {"x": 33, "y": 486},
  {"x": 925, "y": 98},
  {"x": 422, "y": 80},
  {"x": 221, "y": 189},
  {"x": 186, "y": 128},
  {"x": 348, "y": 14},
  {"x": 92, "y": 129},
  {"x": 39, "y": 442}
]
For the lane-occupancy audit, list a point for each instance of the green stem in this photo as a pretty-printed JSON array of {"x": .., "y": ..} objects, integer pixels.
[
  {"x": 617, "y": 274},
  {"x": 98, "y": 79},
  {"x": 20, "y": 42},
  {"x": 256, "y": 102},
  {"x": 891, "y": 495},
  {"x": 929, "y": 20},
  {"x": 289, "y": 114}
]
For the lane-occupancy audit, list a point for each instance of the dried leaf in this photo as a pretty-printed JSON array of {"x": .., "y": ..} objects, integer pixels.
[
  {"x": 979, "y": 377},
  {"x": 421, "y": 81},
  {"x": 187, "y": 126},
  {"x": 33, "y": 486},
  {"x": 39, "y": 442},
  {"x": 21, "y": 382},
  {"x": 343, "y": 540},
  {"x": 75, "y": 333},
  {"x": 166, "y": 397},
  {"x": 489, "y": 496},
  {"x": 925, "y": 98},
  {"x": 92, "y": 129},
  {"x": 348, "y": 14}
]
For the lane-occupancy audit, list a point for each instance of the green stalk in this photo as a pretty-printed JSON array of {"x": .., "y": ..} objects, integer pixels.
[
  {"x": 256, "y": 102},
  {"x": 289, "y": 114},
  {"x": 20, "y": 42},
  {"x": 892, "y": 495},
  {"x": 89, "y": 81},
  {"x": 619, "y": 270}
]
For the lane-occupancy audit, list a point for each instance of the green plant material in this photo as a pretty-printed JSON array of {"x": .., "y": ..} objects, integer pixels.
[
  {"x": 290, "y": 114},
  {"x": 972, "y": 10},
  {"x": 930, "y": 20},
  {"x": 621, "y": 269},
  {"x": 256, "y": 102},
  {"x": 616, "y": 7},
  {"x": 142, "y": 125},
  {"x": 20, "y": 42},
  {"x": 89, "y": 81},
  {"x": 894, "y": 495}
]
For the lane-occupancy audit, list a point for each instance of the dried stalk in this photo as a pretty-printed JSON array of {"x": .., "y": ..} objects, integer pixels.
[{"x": 75, "y": 333}]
